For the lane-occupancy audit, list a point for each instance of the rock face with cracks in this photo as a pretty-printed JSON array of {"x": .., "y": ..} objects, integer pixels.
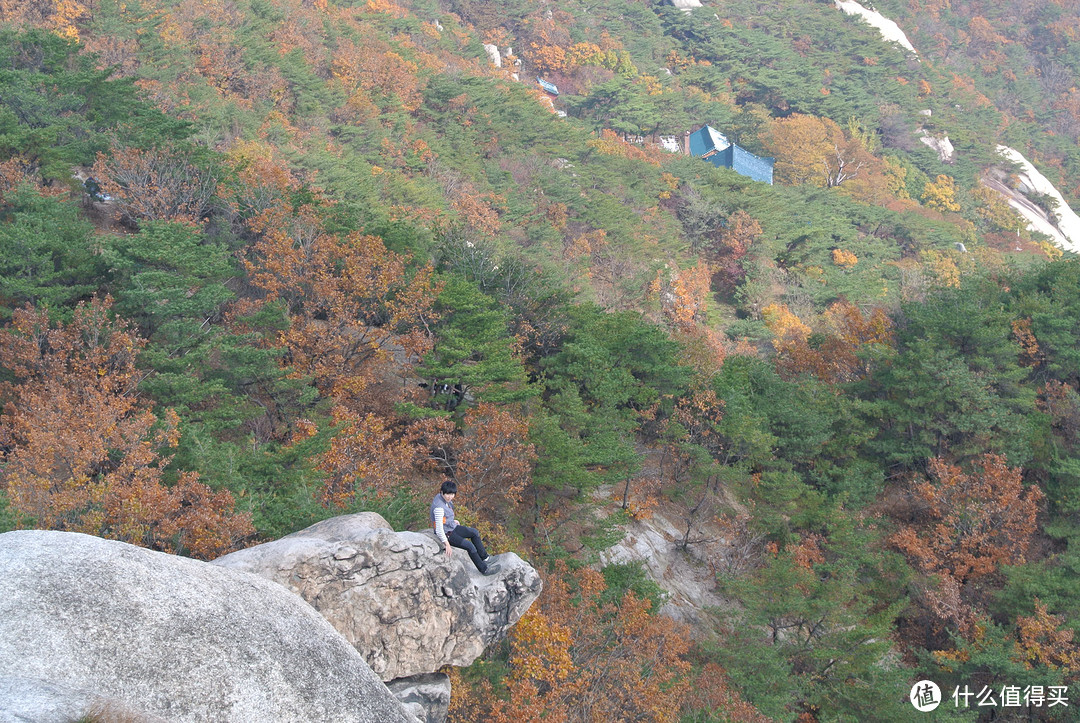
[
  {"x": 425, "y": 696},
  {"x": 83, "y": 618},
  {"x": 395, "y": 596},
  {"x": 655, "y": 542}
]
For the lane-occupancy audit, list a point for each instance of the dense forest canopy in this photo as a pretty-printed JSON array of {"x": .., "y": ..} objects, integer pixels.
[{"x": 263, "y": 262}]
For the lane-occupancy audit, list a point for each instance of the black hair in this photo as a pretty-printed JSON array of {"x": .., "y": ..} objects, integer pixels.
[{"x": 449, "y": 487}]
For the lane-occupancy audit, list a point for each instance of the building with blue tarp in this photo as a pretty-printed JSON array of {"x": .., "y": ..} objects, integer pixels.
[{"x": 714, "y": 147}]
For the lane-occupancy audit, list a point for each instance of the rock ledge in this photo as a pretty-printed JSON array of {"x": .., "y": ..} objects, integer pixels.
[{"x": 395, "y": 596}]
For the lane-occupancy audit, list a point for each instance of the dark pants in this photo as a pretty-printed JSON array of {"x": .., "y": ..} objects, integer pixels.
[{"x": 468, "y": 538}]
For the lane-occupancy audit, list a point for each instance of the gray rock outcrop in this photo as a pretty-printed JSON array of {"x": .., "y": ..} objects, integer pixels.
[
  {"x": 395, "y": 596},
  {"x": 170, "y": 637},
  {"x": 29, "y": 700},
  {"x": 425, "y": 696},
  {"x": 686, "y": 575}
]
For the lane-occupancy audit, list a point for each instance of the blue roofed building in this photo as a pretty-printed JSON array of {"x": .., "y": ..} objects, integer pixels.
[
  {"x": 707, "y": 140},
  {"x": 712, "y": 145},
  {"x": 549, "y": 87}
]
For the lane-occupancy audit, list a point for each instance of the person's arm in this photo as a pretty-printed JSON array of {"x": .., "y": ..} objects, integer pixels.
[{"x": 440, "y": 532}]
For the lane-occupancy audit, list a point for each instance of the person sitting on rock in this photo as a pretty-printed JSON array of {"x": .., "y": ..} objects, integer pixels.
[{"x": 450, "y": 533}]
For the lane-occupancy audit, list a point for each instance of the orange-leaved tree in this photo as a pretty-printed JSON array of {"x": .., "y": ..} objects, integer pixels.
[
  {"x": 967, "y": 524},
  {"x": 576, "y": 657},
  {"x": 367, "y": 449},
  {"x": 60, "y": 16},
  {"x": 353, "y": 304},
  {"x": 786, "y": 327},
  {"x": 495, "y": 460},
  {"x": 941, "y": 194},
  {"x": 839, "y": 352},
  {"x": 684, "y": 294},
  {"x": 263, "y": 180},
  {"x": 358, "y": 318},
  {"x": 815, "y": 151},
  {"x": 734, "y": 241},
  {"x": 374, "y": 68},
  {"x": 1045, "y": 640},
  {"x": 80, "y": 453},
  {"x": 490, "y": 456},
  {"x": 960, "y": 527},
  {"x": 18, "y": 170}
]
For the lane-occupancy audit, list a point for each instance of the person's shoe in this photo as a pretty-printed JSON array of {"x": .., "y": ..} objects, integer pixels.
[
  {"x": 491, "y": 569},
  {"x": 485, "y": 558}
]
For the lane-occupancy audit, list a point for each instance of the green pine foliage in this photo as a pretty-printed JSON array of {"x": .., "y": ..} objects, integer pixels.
[
  {"x": 473, "y": 359},
  {"x": 48, "y": 253}
]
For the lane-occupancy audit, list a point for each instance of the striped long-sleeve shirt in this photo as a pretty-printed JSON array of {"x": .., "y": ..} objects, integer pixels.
[{"x": 442, "y": 517}]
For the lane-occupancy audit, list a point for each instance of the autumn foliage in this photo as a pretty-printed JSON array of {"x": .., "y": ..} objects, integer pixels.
[
  {"x": 365, "y": 451},
  {"x": 350, "y": 300},
  {"x": 264, "y": 180},
  {"x": 383, "y": 162},
  {"x": 1045, "y": 641},
  {"x": 490, "y": 456},
  {"x": 16, "y": 171},
  {"x": 60, "y": 16},
  {"x": 157, "y": 184},
  {"x": 816, "y": 151},
  {"x": 373, "y": 69},
  {"x": 684, "y": 294},
  {"x": 838, "y": 353},
  {"x": 968, "y": 524},
  {"x": 734, "y": 241},
  {"x": 495, "y": 459},
  {"x": 941, "y": 194},
  {"x": 358, "y": 317},
  {"x": 576, "y": 658},
  {"x": 787, "y": 328},
  {"x": 80, "y": 452},
  {"x": 609, "y": 144},
  {"x": 963, "y": 526}
]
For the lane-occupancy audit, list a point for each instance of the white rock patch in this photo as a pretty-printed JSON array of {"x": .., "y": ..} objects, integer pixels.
[
  {"x": 944, "y": 147},
  {"x": 889, "y": 30},
  {"x": 1066, "y": 231},
  {"x": 406, "y": 607}
]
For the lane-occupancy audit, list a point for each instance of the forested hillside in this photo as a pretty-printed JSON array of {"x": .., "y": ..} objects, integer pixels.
[{"x": 263, "y": 262}]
